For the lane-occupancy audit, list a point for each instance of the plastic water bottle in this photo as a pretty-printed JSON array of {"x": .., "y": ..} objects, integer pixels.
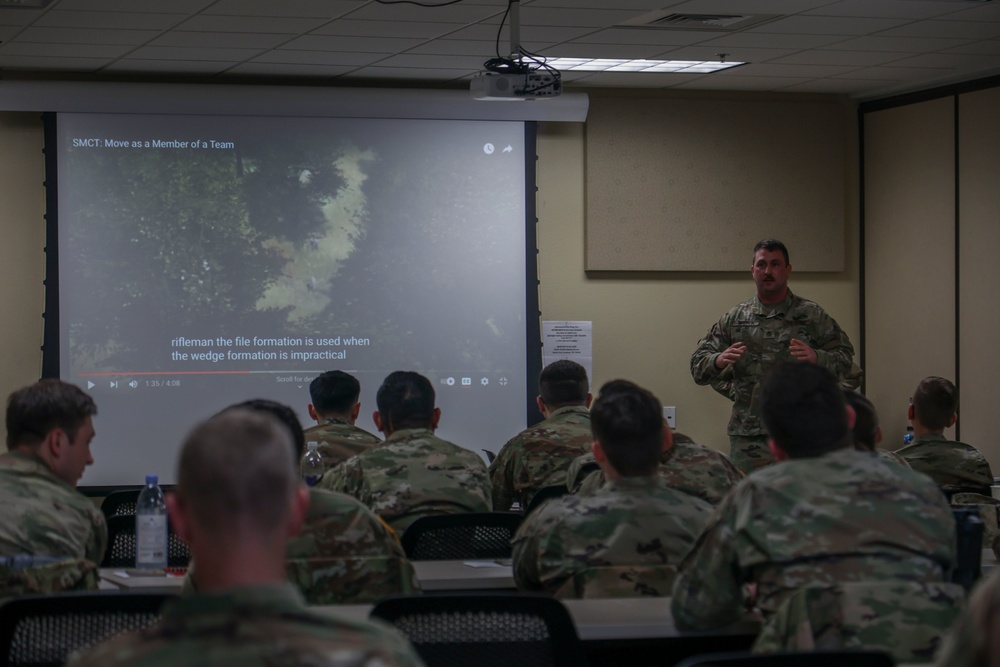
[
  {"x": 151, "y": 527},
  {"x": 311, "y": 467},
  {"x": 908, "y": 437}
]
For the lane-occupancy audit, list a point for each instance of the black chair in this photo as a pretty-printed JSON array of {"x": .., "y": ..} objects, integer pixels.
[
  {"x": 543, "y": 494},
  {"x": 486, "y": 630},
  {"x": 42, "y": 630},
  {"x": 470, "y": 535},
  {"x": 969, "y": 547},
  {"x": 121, "y": 545},
  {"x": 798, "y": 659},
  {"x": 120, "y": 503}
]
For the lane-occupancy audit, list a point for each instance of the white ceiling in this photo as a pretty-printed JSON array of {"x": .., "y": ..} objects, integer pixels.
[{"x": 861, "y": 48}]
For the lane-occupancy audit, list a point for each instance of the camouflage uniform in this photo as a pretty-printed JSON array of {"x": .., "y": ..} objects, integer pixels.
[
  {"x": 846, "y": 516},
  {"x": 339, "y": 440},
  {"x": 694, "y": 469},
  {"x": 43, "y": 516},
  {"x": 633, "y": 521},
  {"x": 975, "y": 638},
  {"x": 413, "y": 474},
  {"x": 253, "y": 626},
  {"x": 887, "y": 455},
  {"x": 954, "y": 466},
  {"x": 539, "y": 456},
  {"x": 766, "y": 329}
]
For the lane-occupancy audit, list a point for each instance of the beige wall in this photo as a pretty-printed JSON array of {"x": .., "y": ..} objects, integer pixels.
[
  {"x": 22, "y": 260},
  {"x": 645, "y": 324},
  {"x": 920, "y": 287}
]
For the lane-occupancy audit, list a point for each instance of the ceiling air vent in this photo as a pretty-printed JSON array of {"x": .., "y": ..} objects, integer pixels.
[{"x": 667, "y": 20}]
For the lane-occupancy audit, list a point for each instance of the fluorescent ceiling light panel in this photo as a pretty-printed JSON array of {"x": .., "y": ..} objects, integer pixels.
[{"x": 612, "y": 65}]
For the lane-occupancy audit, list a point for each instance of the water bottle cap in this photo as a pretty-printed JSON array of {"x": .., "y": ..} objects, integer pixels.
[{"x": 152, "y": 479}]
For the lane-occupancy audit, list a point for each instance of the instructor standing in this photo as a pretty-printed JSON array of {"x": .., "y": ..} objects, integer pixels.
[{"x": 744, "y": 346}]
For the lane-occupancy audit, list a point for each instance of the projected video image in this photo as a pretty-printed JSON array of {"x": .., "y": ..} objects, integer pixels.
[{"x": 207, "y": 260}]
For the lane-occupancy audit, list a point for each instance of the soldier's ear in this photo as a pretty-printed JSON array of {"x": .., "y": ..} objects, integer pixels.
[
  {"x": 590, "y": 399},
  {"x": 852, "y": 417},
  {"x": 377, "y": 418},
  {"x": 951, "y": 422},
  {"x": 777, "y": 451},
  {"x": 356, "y": 411},
  {"x": 435, "y": 418},
  {"x": 312, "y": 413},
  {"x": 300, "y": 506},
  {"x": 178, "y": 516}
]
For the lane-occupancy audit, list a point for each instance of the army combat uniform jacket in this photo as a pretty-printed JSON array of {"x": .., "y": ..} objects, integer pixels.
[
  {"x": 252, "y": 627},
  {"x": 41, "y": 515},
  {"x": 413, "y": 474},
  {"x": 846, "y": 516},
  {"x": 767, "y": 330},
  {"x": 695, "y": 469},
  {"x": 630, "y": 521},
  {"x": 954, "y": 466},
  {"x": 339, "y": 440},
  {"x": 539, "y": 456}
]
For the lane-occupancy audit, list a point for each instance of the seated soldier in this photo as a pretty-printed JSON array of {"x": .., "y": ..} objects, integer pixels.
[
  {"x": 633, "y": 521},
  {"x": 866, "y": 433},
  {"x": 685, "y": 465},
  {"x": 539, "y": 456},
  {"x": 51, "y": 536},
  {"x": 335, "y": 408},
  {"x": 413, "y": 473},
  {"x": 955, "y": 466},
  {"x": 344, "y": 552},
  {"x": 237, "y": 520},
  {"x": 824, "y": 514}
]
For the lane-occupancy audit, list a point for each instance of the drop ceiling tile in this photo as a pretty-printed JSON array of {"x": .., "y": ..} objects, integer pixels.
[
  {"x": 909, "y": 9},
  {"x": 472, "y": 63},
  {"x": 182, "y": 54},
  {"x": 773, "y": 41},
  {"x": 346, "y": 43},
  {"x": 981, "y": 48},
  {"x": 846, "y": 58},
  {"x": 71, "y": 36},
  {"x": 290, "y": 57},
  {"x": 117, "y": 21},
  {"x": 225, "y": 40},
  {"x": 574, "y": 50},
  {"x": 457, "y": 47},
  {"x": 251, "y": 24},
  {"x": 747, "y": 7},
  {"x": 168, "y": 66},
  {"x": 461, "y": 13},
  {"x": 288, "y": 8},
  {"x": 953, "y": 29},
  {"x": 287, "y": 70},
  {"x": 107, "y": 51},
  {"x": 355, "y": 28},
  {"x": 51, "y": 64},
  {"x": 414, "y": 73},
  {"x": 912, "y": 45},
  {"x": 18, "y": 16},
  {"x": 827, "y": 25},
  {"x": 145, "y": 6},
  {"x": 647, "y": 36},
  {"x": 951, "y": 61}
]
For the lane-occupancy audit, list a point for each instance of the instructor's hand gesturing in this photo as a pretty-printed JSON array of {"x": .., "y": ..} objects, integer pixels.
[{"x": 730, "y": 355}]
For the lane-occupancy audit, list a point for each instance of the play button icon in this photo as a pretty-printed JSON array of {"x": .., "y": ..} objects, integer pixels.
[{"x": 90, "y": 385}]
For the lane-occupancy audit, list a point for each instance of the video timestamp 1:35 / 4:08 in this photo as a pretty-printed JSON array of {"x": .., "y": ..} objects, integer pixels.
[{"x": 163, "y": 383}]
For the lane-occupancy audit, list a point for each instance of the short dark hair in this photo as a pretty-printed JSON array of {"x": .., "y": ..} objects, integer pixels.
[
  {"x": 334, "y": 392},
  {"x": 865, "y": 422},
  {"x": 772, "y": 245},
  {"x": 804, "y": 410},
  {"x": 283, "y": 413},
  {"x": 628, "y": 422},
  {"x": 35, "y": 410},
  {"x": 405, "y": 400},
  {"x": 563, "y": 382},
  {"x": 935, "y": 402}
]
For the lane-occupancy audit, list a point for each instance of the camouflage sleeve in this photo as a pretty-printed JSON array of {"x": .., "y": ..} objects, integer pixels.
[
  {"x": 527, "y": 544},
  {"x": 708, "y": 590},
  {"x": 347, "y": 477},
  {"x": 502, "y": 476},
  {"x": 703, "y": 368},
  {"x": 97, "y": 542},
  {"x": 834, "y": 351}
]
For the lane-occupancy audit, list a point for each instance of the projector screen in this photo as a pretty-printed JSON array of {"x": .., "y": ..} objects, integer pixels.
[{"x": 205, "y": 260}]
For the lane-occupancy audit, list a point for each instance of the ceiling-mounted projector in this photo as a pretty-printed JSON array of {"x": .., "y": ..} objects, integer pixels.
[{"x": 531, "y": 85}]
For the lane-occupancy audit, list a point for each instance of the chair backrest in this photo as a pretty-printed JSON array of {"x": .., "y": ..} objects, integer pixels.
[
  {"x": 121, "y": 544},
  {"x": 41, "y": 631},
  {"x": 120, "y": 503},
  {"x": 969, "y": 528},
  {"x": 906, "y": 619},
  {"x": 356, "y": 580},
  {"x": 796, "y": 659},
  {"x": 543, "y": 494},
  {"x": 486, "y": 630},
  {"x": 620, "y": 581},
  {"x": 469, "y": 535}
]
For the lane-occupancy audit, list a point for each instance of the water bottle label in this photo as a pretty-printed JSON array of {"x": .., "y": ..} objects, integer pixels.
[
  {"x": 312, "y": 479},
  {"x": 151, "y": 539}
]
